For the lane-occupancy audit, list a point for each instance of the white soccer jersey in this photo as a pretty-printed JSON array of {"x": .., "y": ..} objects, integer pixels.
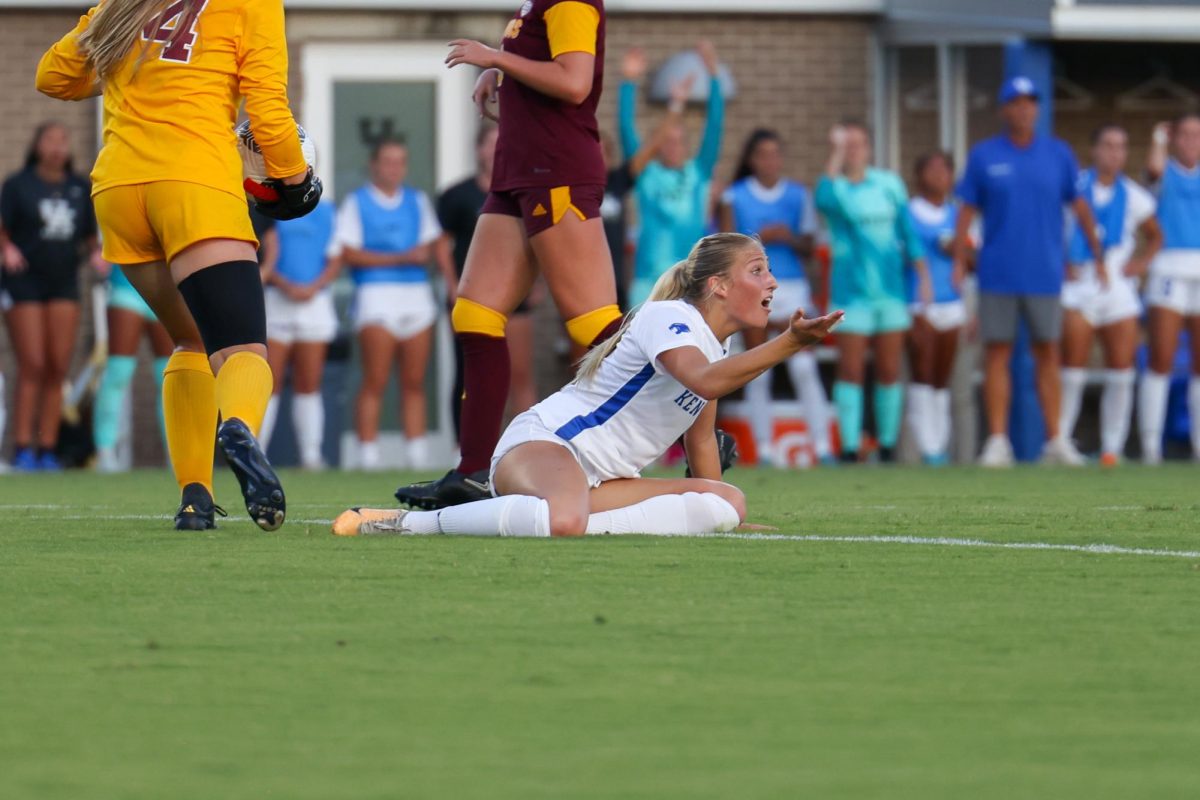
[
  {"x": 1140, "y": 207},
  {"x": 632, "y": 410}
]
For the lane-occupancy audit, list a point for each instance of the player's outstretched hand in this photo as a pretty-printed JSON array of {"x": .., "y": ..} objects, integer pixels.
[
  {"x": 808, "y": 332},
  {"x": 282, "y": 201}
]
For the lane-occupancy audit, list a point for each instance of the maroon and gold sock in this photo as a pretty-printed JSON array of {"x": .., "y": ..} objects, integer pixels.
[{"x": 487, "y": 373}]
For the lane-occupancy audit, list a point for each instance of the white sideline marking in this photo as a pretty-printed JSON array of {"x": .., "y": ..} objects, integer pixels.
[
  {"x": 944, "y": 541},
  {"x": 920, "y": 541}
]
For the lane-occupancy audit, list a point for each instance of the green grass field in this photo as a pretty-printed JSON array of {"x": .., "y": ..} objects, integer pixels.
[{"x": 136, "y": 662}]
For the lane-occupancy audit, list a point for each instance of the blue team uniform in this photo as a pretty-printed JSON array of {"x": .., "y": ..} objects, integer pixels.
[
  {"x": 751, "y": 213},
  {"x": 1020, "y": 193},
  {"x": 390, "y": 230},
  {"x": 935, "y": 236},
  {"x": 672, "y": 203},
  {"x": 303, "y": 244}
]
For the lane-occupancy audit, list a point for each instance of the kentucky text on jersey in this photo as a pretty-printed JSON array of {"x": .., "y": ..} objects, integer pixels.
[{"x": 692, "y": 404}]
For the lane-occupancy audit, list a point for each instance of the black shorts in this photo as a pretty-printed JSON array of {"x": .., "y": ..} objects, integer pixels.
[{"x": 34, "y": 286}]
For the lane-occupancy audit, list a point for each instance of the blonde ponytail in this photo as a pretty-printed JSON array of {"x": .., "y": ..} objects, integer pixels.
[
  {"x": 671, "y": 285},
  {"x": 712, "y": 257},
  {"x": 118, "y": 24}
]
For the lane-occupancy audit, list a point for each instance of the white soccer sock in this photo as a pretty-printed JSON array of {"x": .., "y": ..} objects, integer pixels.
[
  {"x": 1152, "y": 413},
  {"x": 942, "y": 418},
  {"x": 268, "y": 423},
  {"x": 806, "y": 378},
  {"x": 758, "y": 407},
  {"x": 308, "y": 419},
  {"x": 1194, "y": 413},
  {"x": 688, "y": 513},
  {"x": 920, "y": 417},
  {"x": 1073, "y": 381},
  {"x": 368, "y": 455},
  {"x": 511, "y": 515},
  {"x": 1116, "y": 409}
]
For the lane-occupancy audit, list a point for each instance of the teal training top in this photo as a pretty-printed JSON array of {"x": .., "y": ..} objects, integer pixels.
[
  {"x": 872, "y": 236},
  {"x": 672, "y": 203}
]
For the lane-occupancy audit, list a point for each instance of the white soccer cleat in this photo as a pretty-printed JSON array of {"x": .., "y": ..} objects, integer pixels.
[
  {"x": 997, "y": 452},
  {"x": 1060, "y": 451},
  {"x": 371, "y": 521}
]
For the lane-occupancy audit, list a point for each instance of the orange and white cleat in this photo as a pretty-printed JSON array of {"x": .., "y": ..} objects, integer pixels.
[
  {"x": 1110, "y": 460},
  {"x": 371, "y": 521}
]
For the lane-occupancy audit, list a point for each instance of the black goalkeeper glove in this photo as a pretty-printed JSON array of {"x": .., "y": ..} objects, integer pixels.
[{"x": 275, "y": 199}]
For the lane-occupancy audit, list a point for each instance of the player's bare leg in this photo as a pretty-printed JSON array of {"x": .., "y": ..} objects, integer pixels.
[
  {"x": 497, "y": 277},
  {"x": 189, "y": 397}
]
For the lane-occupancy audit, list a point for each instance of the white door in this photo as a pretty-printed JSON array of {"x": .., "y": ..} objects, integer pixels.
[{"x": 354, "y": 94}]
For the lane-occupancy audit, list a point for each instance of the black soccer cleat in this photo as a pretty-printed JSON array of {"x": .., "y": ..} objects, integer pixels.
[
  {"x": 197, "y": 511},
  {"x": 265, "y": 502},
  {"x": 727, "y": 451},
  {"x": 452, "y": 489}
]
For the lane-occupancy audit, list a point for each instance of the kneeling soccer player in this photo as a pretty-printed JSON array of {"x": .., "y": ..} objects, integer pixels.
[{"x": 571, "y": 464}]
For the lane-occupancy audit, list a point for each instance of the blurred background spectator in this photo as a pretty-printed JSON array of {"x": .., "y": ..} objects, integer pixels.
[
  {"x": 129, "y": 319},
  {"x": 872, "y": 239},
  {"x": 301, "y": 323},
  {"x": 762, "y": 202},
  {"x": 388, "y": 230},
  {"x": 937, "y": 319},
  {"x": 46, "y": 226},
  {"x": 673, "y": 191},
  {"x": 1173, "y": 289},
  {"x": 1130, "y": 234},
  {"x": 1019, "y": 182}
]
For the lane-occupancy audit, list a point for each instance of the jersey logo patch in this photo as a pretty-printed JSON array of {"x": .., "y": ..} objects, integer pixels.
[
  {"x": 679, "y": 328},
  {"x": 526, "y": 7},
  {"x": 58, "y": 219},
  {"x": 539, "y": 210}
]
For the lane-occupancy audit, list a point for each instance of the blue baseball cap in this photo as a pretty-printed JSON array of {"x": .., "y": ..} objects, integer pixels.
[{"x": 1018, "y": 86}]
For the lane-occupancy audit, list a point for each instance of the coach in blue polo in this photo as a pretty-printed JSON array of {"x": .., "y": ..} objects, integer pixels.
[{"x": 1019, "y": 182}]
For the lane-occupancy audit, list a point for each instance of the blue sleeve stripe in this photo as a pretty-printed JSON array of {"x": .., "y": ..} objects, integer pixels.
[{"x": 611, "y": 406}]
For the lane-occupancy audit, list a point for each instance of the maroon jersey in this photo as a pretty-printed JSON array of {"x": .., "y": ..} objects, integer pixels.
[{"x": 545, "y": 142}]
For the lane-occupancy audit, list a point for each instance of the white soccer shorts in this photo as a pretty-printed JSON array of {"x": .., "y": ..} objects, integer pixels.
[
  {"x": 403, "y": 309},
  {"x": 288, "y": 322}
]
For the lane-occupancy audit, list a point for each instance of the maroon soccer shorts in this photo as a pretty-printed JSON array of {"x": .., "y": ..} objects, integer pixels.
[{"x": 543, "y": 207}]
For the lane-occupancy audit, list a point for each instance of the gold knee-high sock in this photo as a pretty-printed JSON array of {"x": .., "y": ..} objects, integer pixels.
[
  {"x": 244, "y": 387},
  {"x": 190, "y": 417}
]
